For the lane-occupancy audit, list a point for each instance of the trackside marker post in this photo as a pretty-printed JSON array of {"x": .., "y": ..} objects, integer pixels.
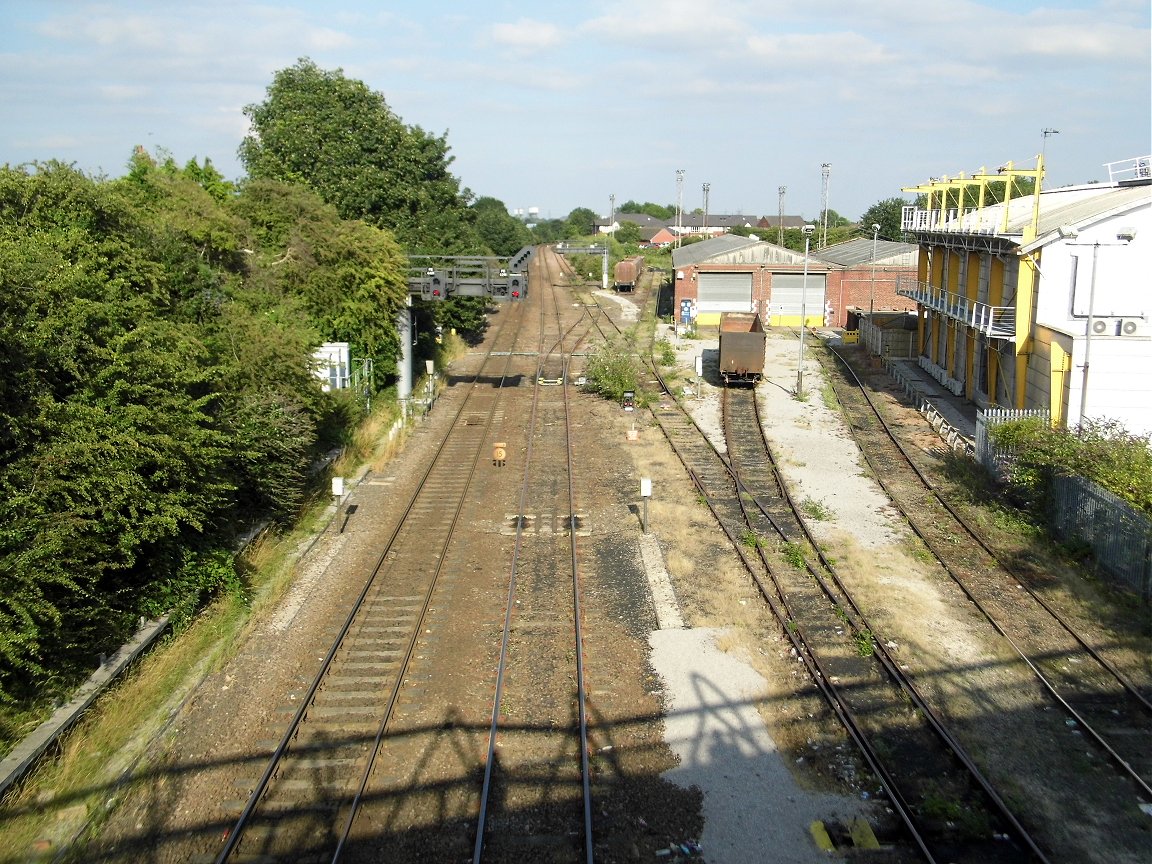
[{"x": 645, "y": 493}]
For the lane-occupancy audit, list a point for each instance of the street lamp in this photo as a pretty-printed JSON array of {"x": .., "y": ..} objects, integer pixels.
[
  {"x": 825, "y": 174},
  {"x": 807, "y": 229},
  {"x": 1124, "y": 237},
  {"x": 679, "y": 205},
  {"x": 872, "y": 296},
  {"x": 704, "y": 224}
]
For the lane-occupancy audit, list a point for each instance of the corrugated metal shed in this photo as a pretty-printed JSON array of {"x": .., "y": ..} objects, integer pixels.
[{"x": 851, "y": 253}]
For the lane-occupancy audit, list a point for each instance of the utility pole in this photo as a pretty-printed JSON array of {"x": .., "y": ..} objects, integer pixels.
[
  {"x": 825, "y": 175},
  {"x": 679, "y": 204},
  {"x": 704, "y": 224},
  {"x": 780, "y": 190}
]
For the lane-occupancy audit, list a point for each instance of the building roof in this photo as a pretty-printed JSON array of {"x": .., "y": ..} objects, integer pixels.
[
  {"x": 733, "y": 249},
  {"x": 718, "y": 220},
  {"x": 694, "y": 253},
  {"x": 786, "y": 222},
  {"x": 859, "y": 251},
  {"x": 1067, "y": 205},
  {"x": 1082, "y": 212},
  {"x": 641, "y": 219}
]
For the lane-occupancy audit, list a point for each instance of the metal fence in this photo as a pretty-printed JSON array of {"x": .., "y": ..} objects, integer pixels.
[
  {"x": 1120, "y": 536},
  {"x": 993, "y": 458}
]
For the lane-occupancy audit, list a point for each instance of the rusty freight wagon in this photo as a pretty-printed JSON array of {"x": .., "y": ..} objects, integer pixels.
[
  {"x": 741, "y": 347},
  {"x": 626, "y": 275}
]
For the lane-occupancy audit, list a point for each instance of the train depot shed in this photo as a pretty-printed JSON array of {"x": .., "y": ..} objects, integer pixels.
[{"x": 745, "y": 274}]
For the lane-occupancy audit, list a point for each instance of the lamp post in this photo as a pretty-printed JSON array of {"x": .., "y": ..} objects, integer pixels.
[
  {"x": 807, "y": 229},
  {"x": 1124, "y": 237},
  {"x": 679, "y": 204},
  {"x": 704, "y": 224},
  {"x": 780, "y": 190},
  {"x": 872, "y": 295},
  {"x": 825, "y": 174}
]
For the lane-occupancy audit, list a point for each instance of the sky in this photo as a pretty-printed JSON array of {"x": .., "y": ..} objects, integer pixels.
[{"x": 558, "y": 105}]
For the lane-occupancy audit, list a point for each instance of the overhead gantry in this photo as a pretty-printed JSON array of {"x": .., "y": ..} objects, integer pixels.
[{"x": 438, "y": 277}]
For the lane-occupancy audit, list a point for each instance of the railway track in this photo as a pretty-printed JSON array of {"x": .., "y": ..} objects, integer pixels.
[
  {"x": 310, "y": 792},
  {"x": 1104, "y": 704},
  {"x": 348, "y": 767},
  {"x": 379, "y": 740},
  {"x": 879, "y": 706},
  {"x": 906, "y": 745},
  {"x": 536, "y": 802}
]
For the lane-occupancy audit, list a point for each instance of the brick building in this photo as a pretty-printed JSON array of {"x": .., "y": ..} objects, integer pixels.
[{"x": 745, "y": 274}]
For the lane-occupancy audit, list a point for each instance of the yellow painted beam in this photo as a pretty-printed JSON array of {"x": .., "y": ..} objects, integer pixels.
[
  {"x": 862, "y": 835},
  {"x": 820, "y": 835}
]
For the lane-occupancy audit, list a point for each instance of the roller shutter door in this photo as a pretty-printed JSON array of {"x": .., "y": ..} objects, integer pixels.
[
  {"x": 789, "y": 293},
  {"x": 724, "y": 292}
]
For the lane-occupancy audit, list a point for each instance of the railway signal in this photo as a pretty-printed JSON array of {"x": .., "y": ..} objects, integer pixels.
[{"x": 439, "y": 277}]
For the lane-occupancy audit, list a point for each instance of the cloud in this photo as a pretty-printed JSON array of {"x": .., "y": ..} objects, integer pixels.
[
  {"x": 527, "y": 35},
  {"x": 121, "y": 92}
]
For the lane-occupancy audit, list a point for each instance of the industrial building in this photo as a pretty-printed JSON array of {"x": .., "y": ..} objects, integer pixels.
[
  {"x": 730, "y": 273},
  {"x": 1042, "y": 302}
]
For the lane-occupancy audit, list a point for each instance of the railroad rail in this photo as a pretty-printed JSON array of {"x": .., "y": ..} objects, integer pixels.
[
  {"x": 1106, "y": 706},
  {"x": 866, "y": 690},
  {"x": 542, "y": 771},
  {"x": 315, "y": 779},
  {"x": 859, "y": 681}
]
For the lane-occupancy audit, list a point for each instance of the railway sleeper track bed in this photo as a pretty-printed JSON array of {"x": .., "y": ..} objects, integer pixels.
[
  {"x": 1096, "y": 697},
  {"x": 1051, "y": 720},
  {"x": 915, "y": 761}
]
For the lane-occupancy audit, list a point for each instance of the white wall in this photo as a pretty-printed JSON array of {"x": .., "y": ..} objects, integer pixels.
[{"x": 1119, "y": 378}]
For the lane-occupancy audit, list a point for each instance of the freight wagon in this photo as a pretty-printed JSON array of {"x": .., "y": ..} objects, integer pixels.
[
  {"x": 741, "y": 347},
  {"x": 626, "y": 275}
]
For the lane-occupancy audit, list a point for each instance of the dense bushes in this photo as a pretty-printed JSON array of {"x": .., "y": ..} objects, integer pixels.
[
  {"x": 156, "y": 335},
  {"x": 1103, "y": 452},
  {"x": 156, "y": 392}
]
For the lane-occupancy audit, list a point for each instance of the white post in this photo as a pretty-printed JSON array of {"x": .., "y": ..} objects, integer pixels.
[
  {"x": 1088, "y": 334},
  {"x": 645, "y": 493}
]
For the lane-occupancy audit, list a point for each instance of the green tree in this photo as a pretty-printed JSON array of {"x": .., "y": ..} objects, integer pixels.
[
  {"x": 656, "y": 211},
  {"x": 155, "y": 389},
  {"x": 888, "y": 214},
  {"x": 835, "y": 220},
  {"x": 581, "y": 222},
  {"x": 501, "y": 232},
  {"x": 628, "y": 232},
  {"x": 550, "y": 231},
  {"x": 342, "y": 140},
  {"x": 350, "y": 277}
]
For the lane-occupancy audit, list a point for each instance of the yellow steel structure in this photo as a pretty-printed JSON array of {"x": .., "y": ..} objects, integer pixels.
[{"x": 938, "y": 192}]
